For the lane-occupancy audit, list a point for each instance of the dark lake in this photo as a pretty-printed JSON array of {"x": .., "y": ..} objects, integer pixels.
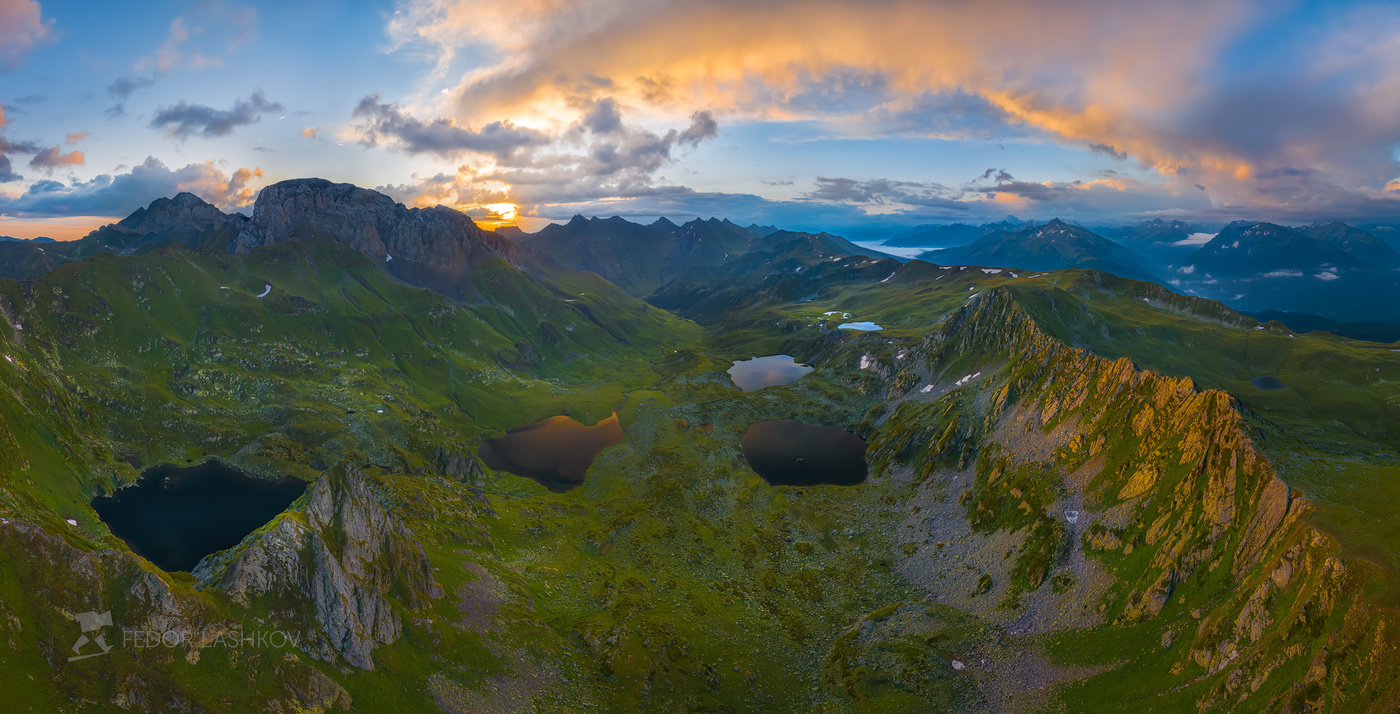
[
  {"x": 1269, "y": 383},
  {"x": 790, "y": 453},
  {"x": 174, "y": 516},
  {"x": 555, "y": 452},
  {"x": 771, "y": 371}
]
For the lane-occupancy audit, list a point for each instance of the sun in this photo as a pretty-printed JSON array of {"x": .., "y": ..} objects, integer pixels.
[{"x": 506, "y": 211}]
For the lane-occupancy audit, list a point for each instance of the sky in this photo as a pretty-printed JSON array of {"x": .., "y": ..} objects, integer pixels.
[{"x": 807, "y": 114}]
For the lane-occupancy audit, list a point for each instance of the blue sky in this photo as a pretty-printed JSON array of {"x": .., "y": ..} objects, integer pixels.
[{"x": 812, "y": 114}]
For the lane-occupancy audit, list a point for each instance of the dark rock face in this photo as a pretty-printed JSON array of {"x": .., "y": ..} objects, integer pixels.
[
  {"x": 335, "y": 565},
  {"x": 430, "y": 247}
]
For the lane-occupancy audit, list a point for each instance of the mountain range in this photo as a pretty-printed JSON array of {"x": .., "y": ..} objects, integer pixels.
[
  {"x": 1083, "y": 492},
  {"x": 1053, "y": 246}
]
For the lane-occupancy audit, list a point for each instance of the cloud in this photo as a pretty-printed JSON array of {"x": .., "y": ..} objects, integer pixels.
[
  {"x": 75, "y": 137},
  {"x": 1190, "y": 88},
  {"x": 123, "y": 87},
  {"x": 389, "y": 125},
  {"x": 207, "y": 25},
  {"x": 309, "y": 132},
  {"x": 883, "y": 192},
  {"x": 22, "y": 28},
  {"x": 1106, "y": 150},
  {"x": 119, "y": 195},
  {"x": 53, "y": 157},
  {"x": 185, "y": 120},
  {"x": 18, "y": 147},
  {"x": 7, "y": 173},
  {"x": 115, "y": 110}
]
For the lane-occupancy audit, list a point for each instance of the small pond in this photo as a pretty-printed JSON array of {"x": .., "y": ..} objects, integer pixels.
[
  {"x": 1269, "y": 383},
  {"x": 174, "y": 516},
  {"x": 790, "y": 453},
  {"x": 555, "y": 452},
  {"x": 771, "y": 371},
  {"x": 862, "y": 326}
]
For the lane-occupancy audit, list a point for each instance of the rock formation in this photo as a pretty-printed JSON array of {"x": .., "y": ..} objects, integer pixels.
[{"x": 331, "y": 568}]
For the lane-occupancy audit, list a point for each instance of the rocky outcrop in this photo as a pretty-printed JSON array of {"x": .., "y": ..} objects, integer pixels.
[
  {"x": 331, "y": 568},
  {"x": 433, "y": 247},
  {"x": 186, "y": 219}
]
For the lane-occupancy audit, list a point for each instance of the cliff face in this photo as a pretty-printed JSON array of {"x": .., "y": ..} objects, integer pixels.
[
  {"x": 430, "y": 247},
  {"x": 120, "y": 667},
  {"x": 332, "y": 568},
  {"x": 1123, "y": 497}
]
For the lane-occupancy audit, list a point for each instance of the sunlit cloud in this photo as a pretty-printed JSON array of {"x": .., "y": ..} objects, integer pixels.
[
  {"x": 1131, "y": 81},
  {"x": 53, "y": 158},
  {"x": 22, "y": 28},
  {"x": 120, "y": 194}
]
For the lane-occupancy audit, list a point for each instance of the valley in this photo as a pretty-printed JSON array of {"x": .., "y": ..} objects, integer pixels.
[{"x": 1073, "y": 496}]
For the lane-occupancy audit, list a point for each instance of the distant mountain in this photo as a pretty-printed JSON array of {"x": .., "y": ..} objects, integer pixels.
[
  {"x": 786, "y": 265},
  {"x": 512, "y": 232},
  {"x": 38, "y": 239},
  {"x": 762, "y": 230},
  {"x": 1245, "y": 249},
  {"x": 1358, "y": 243},
  {"x": 953, "y": 234},
  {"x": 1054, "y": 246},
  {"x": 641, "y": 258},
  {"x": 185, "y": 219},
  {"x": 1159, "y": 231}
]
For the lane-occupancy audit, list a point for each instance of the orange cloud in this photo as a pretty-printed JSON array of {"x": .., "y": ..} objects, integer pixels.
[
  {"x": 53, "y": 157},
  {"x": 75, "y": 137},
  {"x": 1393, "y": 185},
  {"x": 22, "y": 27},
  {"x": 309, "y": 132},
  {"x": 1085, "y": 71}
]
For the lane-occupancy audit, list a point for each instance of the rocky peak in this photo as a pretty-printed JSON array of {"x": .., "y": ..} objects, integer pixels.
[{"x": 374, "y": 224}]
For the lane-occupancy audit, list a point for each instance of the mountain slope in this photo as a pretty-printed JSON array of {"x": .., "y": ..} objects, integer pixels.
[
  {"x": 1054, "y": 246},
  {"x": 640, "y": 258},
  {"x": 1246, "y": 249},
  {"x": 1358, "y": 243},
  {"x": 952, "y": 234}
]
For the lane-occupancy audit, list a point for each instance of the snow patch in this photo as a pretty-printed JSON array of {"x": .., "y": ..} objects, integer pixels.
[
  {"x": 929, "y": 387},
  {"x": 1282, "y": 274},
  {"x": 865, "y": 362},
  {"x": 966, "y": 379},
  {"x": 1328, "y": 274},
  {"x": 991, "y": 271},
  {"x": 266, "y": 290}
]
